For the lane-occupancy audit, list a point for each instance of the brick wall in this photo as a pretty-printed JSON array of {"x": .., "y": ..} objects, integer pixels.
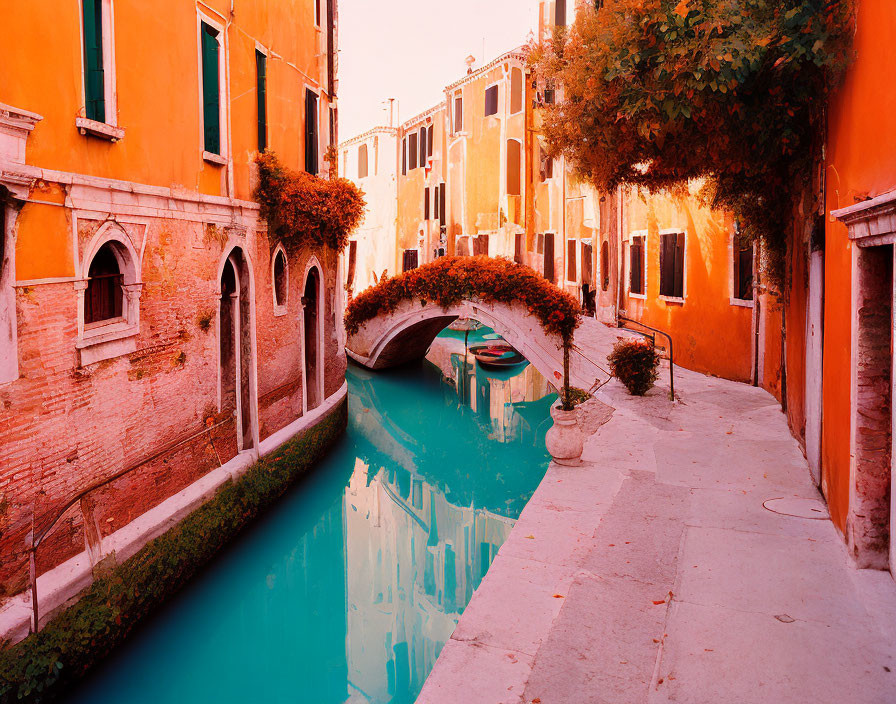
[{"x": 64, "y": 428}]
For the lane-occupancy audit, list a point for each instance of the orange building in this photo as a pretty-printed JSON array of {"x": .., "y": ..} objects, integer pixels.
[{"x": 147, "y": 320}]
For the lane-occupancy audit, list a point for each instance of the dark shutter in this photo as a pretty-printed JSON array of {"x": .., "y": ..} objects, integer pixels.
[
  {"x": 514, "y": 167},
  {"x": 571, "y": 250},
  {"x": 667, "y": 265},
  {"x": 743, "y": 273},
  {"x": 211, "y": 105},
  {"x": 678, "y": 266},
  {"x": 363, "y": 168},
  {"x": 404, "y": 156},
  {"x": 605, "y": 266},
  {"x": 104, "y": 297},
  {"x": 636, "y": 265},
  {"x": 426, "y": 204},
  {"x": 459, "y": 114},
  {"x": 409, "y": 260},
  {"x": 311, "y": 155},
  {"x": 549, "y": 256},
  {"x": 435, "y": 202},
  {"x": 442, "y": 204},
  {"x": 430, "y": 137},
  {"x": 423, "y": 147},
  {"x": 587, "y": 264},
  {"x": 352, "y": 261},
  {"x": 560, "y": 13},
  {"x": 94, "y": 80},
  {"x": 412, "y": 151},
  {"x": 516, "y": 90},
  {"x": 491, "y": 101},
  {"x": 261, "y": 96}
]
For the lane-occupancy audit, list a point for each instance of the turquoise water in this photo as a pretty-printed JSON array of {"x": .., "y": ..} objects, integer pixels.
[{"x": 349, "y": 588}]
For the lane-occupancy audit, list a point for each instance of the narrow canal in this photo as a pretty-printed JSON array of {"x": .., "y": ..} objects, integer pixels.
[{"x": 348, "y": 590}]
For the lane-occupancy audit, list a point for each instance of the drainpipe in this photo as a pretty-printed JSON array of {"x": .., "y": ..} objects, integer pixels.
[
  {"x": 620, "y": 286},
  {"x": 230, "y": 179},
  {"x": 756, "y": 315},
  {"x": 530, "y": 164}
]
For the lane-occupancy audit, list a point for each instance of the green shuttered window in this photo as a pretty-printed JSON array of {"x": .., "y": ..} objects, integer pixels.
[
  {"x": 211, "y": 90},
  {"x": 261, "y": 93},
  {"x": 94, "y": 80}
]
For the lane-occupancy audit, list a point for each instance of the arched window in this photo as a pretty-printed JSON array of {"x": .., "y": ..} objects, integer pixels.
[
  {"x": 362, "y": 161},
  {"x": 104, "y": 298},
  {"x": 280, "y": 279}
]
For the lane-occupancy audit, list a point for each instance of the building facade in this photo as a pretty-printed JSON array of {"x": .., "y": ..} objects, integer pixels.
[{"x": 150, "y": 329}]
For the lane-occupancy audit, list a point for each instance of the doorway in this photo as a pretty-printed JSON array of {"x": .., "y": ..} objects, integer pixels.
[
  {"x": 235, "y": 348},
  {"x": 312, "y": 339}
]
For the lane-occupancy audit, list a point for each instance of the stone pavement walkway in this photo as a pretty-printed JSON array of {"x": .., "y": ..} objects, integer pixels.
[{"x": 654, "y": 573}]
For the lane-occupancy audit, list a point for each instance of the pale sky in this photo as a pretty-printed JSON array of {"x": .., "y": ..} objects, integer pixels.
[{"x": 412, "y": 49}]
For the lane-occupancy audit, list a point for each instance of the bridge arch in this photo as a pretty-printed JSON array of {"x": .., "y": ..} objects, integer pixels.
[{"x": 404, "y": 335}]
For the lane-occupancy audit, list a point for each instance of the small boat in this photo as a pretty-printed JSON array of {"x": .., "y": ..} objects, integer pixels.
[{"x": 495, "y": 355}]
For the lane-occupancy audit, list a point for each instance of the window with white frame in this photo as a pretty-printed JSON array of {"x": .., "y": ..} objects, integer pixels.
[
  {"x": 99, "y": 116},
  {"x": 672, "y": 260},
  {"x": 637, "y": 266},
  {"x": 491, "y": 100},
  {"x": 214, "y": 105}
]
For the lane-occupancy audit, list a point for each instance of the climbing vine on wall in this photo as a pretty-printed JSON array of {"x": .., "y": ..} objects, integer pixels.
[
  {"x": 659, "y": 92},
  {"x": 305, "y": 209}
]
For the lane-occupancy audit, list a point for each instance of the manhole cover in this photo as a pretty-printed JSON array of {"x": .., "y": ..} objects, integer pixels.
[{"x": 798, "y": 508}]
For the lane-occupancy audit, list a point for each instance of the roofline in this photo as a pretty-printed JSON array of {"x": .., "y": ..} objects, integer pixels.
[{"x": 369, "y": 133}]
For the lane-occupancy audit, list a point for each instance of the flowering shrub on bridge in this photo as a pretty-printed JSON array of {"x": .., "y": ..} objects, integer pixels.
[
  {"x": 302, "y": 208},
  {"x": 449, "y": 280}
]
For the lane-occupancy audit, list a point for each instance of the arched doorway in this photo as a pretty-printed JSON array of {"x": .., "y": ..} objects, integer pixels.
[
  {"x": 312, "y": 338},
  {"x": 236, "y": 349}
]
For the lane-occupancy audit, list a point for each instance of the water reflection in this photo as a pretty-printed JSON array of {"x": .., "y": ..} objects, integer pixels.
[{"x": 347, "y": 591}]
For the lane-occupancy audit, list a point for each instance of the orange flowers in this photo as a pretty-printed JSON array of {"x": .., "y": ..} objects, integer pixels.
[
  {"x": 302, "y": 208},
  {"x": 449, "y": 280}
]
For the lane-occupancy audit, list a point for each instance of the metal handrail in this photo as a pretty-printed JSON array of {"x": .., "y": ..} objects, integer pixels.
[
  {"x": 38, "y": 538},
  {"x": 652, "y": 337},
  {"x": 597, "y": 383}
]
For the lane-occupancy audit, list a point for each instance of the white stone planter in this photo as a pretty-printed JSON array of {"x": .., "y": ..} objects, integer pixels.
[{"x": 564, "y": 440}]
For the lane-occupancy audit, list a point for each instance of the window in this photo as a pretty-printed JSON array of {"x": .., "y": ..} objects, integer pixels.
[
  {"x": 516, "y": 91},
  {"x": 435, "y": 203},
  {"x": 376, "y": 155},
  {"x": 426, "y": 204},
  {"x": 352, "y": 262},
  {"x": 546, "y": 170},
  {"x": 261, "y": 109},
  {"x": 550, "y": 95},
  {"x": 362, "y": 161},
  {"x": 211, "y": 89},
  {"x": 514, "y": 167},
  {"x": 571, "y": 251},
  {"x": 104, "y": 296},
  {"x": 424, "y": 143},
  {"x": 480, "y": 245},
  {"x": 743, "y": 272},
  {"x": 317, "y": 12},
  {"x": 412, "y": 152},
  {"x": 672, "y": 265},
  {"x": 429, "y": 139},
  {"x": 345, "y": 164},
  {"x": 404, "y": 156},
  {"x": 311, "y": 157},
  {"x": 409, "y": 260},
  {"x": 280, "y": 280},
  {"x": 94, "y": 60},
  {"x": 636, "y": 266},
  {"x": 491, "y": 100},
  {"x": 539, "y": 243},
  {"x": 458, "y": 113},
  {"x": 560, "y": 13},
  {"x": 605, "y": 266},
  {"x": 442, "y": 204}
]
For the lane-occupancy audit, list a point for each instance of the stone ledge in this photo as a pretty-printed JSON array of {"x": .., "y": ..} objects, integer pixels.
[{"x": 99, "y": 129}]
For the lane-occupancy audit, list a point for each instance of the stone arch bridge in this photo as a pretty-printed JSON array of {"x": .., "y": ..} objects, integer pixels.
[{"x": 404, "y": 335}]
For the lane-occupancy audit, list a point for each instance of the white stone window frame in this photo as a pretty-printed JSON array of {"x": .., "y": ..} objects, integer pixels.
[
  {"x": 223, "y": 158},
  {"x": 279, "y": 306},
  {"x": 109, "y": 339},
  {"x": 678, "y": 300},
  {"x": 734, "y": 300},
  {"x": 628, "y": 265},
  {"x": 108, "y": 128}
]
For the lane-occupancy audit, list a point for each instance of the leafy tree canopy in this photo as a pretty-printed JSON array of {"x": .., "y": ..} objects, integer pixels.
[{"x": 659, "y": 92}]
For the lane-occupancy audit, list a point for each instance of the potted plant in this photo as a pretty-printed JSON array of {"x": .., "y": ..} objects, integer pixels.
[
  {"x": 564, "y": 439},
  {"x": 636, "y": 364}
]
